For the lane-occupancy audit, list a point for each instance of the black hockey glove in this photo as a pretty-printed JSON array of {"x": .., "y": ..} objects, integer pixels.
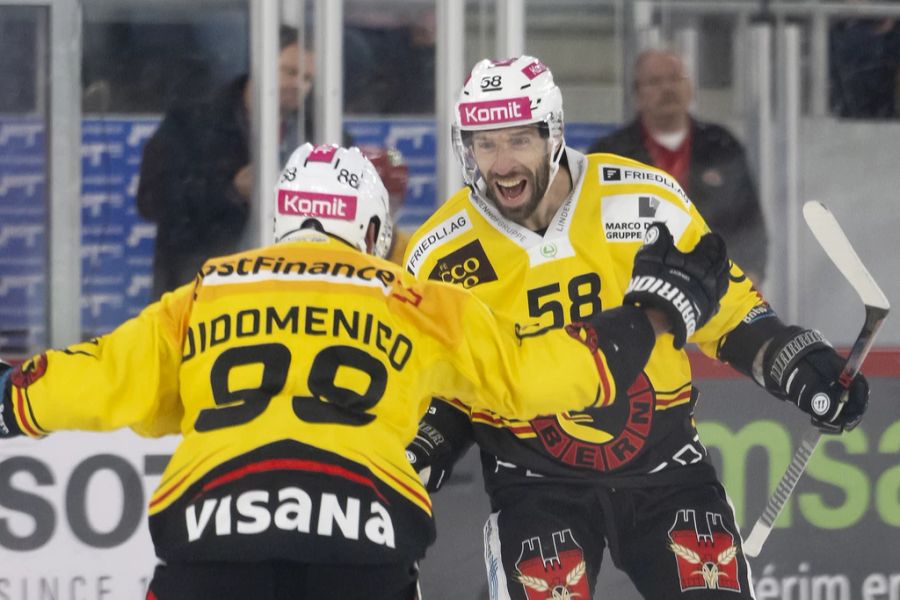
[
  {"x": 687, "y": 287},
  {"x": 444, "y": 436},
  {"x": 429, "y": 455},
  {"x": 799, "y": 365},
  {"x": 8, "y": 425}
]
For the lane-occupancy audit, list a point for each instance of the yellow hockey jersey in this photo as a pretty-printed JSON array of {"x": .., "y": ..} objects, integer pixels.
[
  {"x": 297, "y": 375},
  {"x": 579, "y": 266}
]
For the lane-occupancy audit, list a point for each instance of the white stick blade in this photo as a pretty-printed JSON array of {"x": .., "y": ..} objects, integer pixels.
[
  {"x": 753, "y": 544},
  {"x": 838, "y": 248}
]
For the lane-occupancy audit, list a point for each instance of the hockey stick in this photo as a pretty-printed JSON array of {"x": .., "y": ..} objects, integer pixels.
[{"x": 831, "y": 237}]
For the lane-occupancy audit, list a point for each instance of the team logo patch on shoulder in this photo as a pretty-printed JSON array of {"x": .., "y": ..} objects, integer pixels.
[
  {"x": 442, "y": 232},
  {"x": 627, "y": 217},
  {"x": 633, "y": 175},
  {"x": 467, "y": 266}
]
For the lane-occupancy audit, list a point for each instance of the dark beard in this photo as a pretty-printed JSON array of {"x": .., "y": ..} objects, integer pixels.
[{"x": 539, "y": 182}]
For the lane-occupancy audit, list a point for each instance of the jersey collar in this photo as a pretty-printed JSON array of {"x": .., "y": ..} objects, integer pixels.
[{"x": 555, "y": 243}]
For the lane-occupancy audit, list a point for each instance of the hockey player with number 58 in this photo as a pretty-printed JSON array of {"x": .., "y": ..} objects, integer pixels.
[
  {"x": 296, "y": 375},
  {"x": 551, "y": 236}
]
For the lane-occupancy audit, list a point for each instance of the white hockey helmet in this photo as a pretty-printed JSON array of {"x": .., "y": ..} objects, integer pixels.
[
  {"x": 507, "y": 93},
  {"x": 339, "y": 189}
]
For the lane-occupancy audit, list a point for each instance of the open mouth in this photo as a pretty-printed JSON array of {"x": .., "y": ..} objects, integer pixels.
[{"x": 511, "y": 190}]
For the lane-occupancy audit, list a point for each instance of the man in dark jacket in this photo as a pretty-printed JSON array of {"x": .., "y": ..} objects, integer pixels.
[
  {"x": 705, "y": 158},
  {"x": 196, "y": 178}
]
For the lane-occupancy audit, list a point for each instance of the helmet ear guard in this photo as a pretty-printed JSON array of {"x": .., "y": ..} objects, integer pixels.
[{"x": 336, "y": 190}]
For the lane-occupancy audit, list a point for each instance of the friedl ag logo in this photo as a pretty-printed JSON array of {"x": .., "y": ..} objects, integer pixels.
[
  {"x": 467, "y": 266},
  {"x": 612, "y": 174},
  {"x": 643, "y": 176},
  {"x": 647, "y": 206}
]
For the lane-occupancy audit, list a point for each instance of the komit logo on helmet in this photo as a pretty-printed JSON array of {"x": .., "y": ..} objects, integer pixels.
[
  {"x": 316, "y": 205},
  {"x": 494, "y": 111},
  {"x": 322, "y": 153},
  {"x": 534, "y": 69}
]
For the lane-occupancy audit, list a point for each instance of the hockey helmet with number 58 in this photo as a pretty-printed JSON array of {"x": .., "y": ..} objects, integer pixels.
[
  {"x": 508, "y": 93},
  {"x": 337, "y": 190}
]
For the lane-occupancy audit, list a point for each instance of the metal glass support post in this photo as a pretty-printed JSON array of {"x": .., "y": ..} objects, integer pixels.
[
  {"x": 449, "y": 74},
  {"x": 264, "y": 119},
  {"x": 819, "y": 67},
  {"x": 622, "y": 43},
  {"x": 510, "y": 28},
  {"x": 639, "y": 35},
  {"x": 687, "y": 42},
  {"x": 739, "y": 63},
  {"x": 329, "y": 87},
  {"x": 648, "y": 35},
  {"x": 789, "y": 125},
  {"x": 761, "y": 139},
  {"x": 64, "y": 174}
]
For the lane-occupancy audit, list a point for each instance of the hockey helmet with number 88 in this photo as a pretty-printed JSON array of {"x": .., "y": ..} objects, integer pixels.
[
  {"x": 338, "y": 189},
  {"x": 508, "y": 93}
]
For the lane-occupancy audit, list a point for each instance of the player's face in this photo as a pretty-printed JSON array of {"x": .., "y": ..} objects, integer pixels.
[
  {"x": 516, "y": 168},
  {"x": 295, "y": 76}
]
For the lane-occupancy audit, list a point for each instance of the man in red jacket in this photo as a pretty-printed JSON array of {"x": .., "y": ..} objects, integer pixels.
[{"x": 706, "y": 160}]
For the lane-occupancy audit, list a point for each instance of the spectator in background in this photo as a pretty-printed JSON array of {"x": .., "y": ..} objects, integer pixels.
[
  {"x": 705, "y": 158},
  {"x": 391, "y": 66},
  {"x": 419, "y": 66},
  {"x": 196, "y": 178},
  {"x": 864, "y": 57}
]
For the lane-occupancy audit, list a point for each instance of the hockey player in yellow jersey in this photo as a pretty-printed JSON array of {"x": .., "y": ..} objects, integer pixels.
[
  {"x": 551, "y": 236},
  {"x": 296, "y": 375}
]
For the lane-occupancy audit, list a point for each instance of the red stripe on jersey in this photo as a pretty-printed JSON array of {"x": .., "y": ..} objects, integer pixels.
[
  {"x": 589, "y": 339},
  {"x": 169, "y": 491},
  {"x": 20, "y": 409},
  {"x": 424, "y": 499},
  {"x": 487, "y": 417},
  {"x": 604, "y": 380},
  {"x": 606, "y": 394},
  {"x": 668, "y": 401},
  {"x": 520, "y": 430},
  {"x": 291, "y": 464},
  {"x": 504, "y": 423},
  {"x": 459, "y": 405}
]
